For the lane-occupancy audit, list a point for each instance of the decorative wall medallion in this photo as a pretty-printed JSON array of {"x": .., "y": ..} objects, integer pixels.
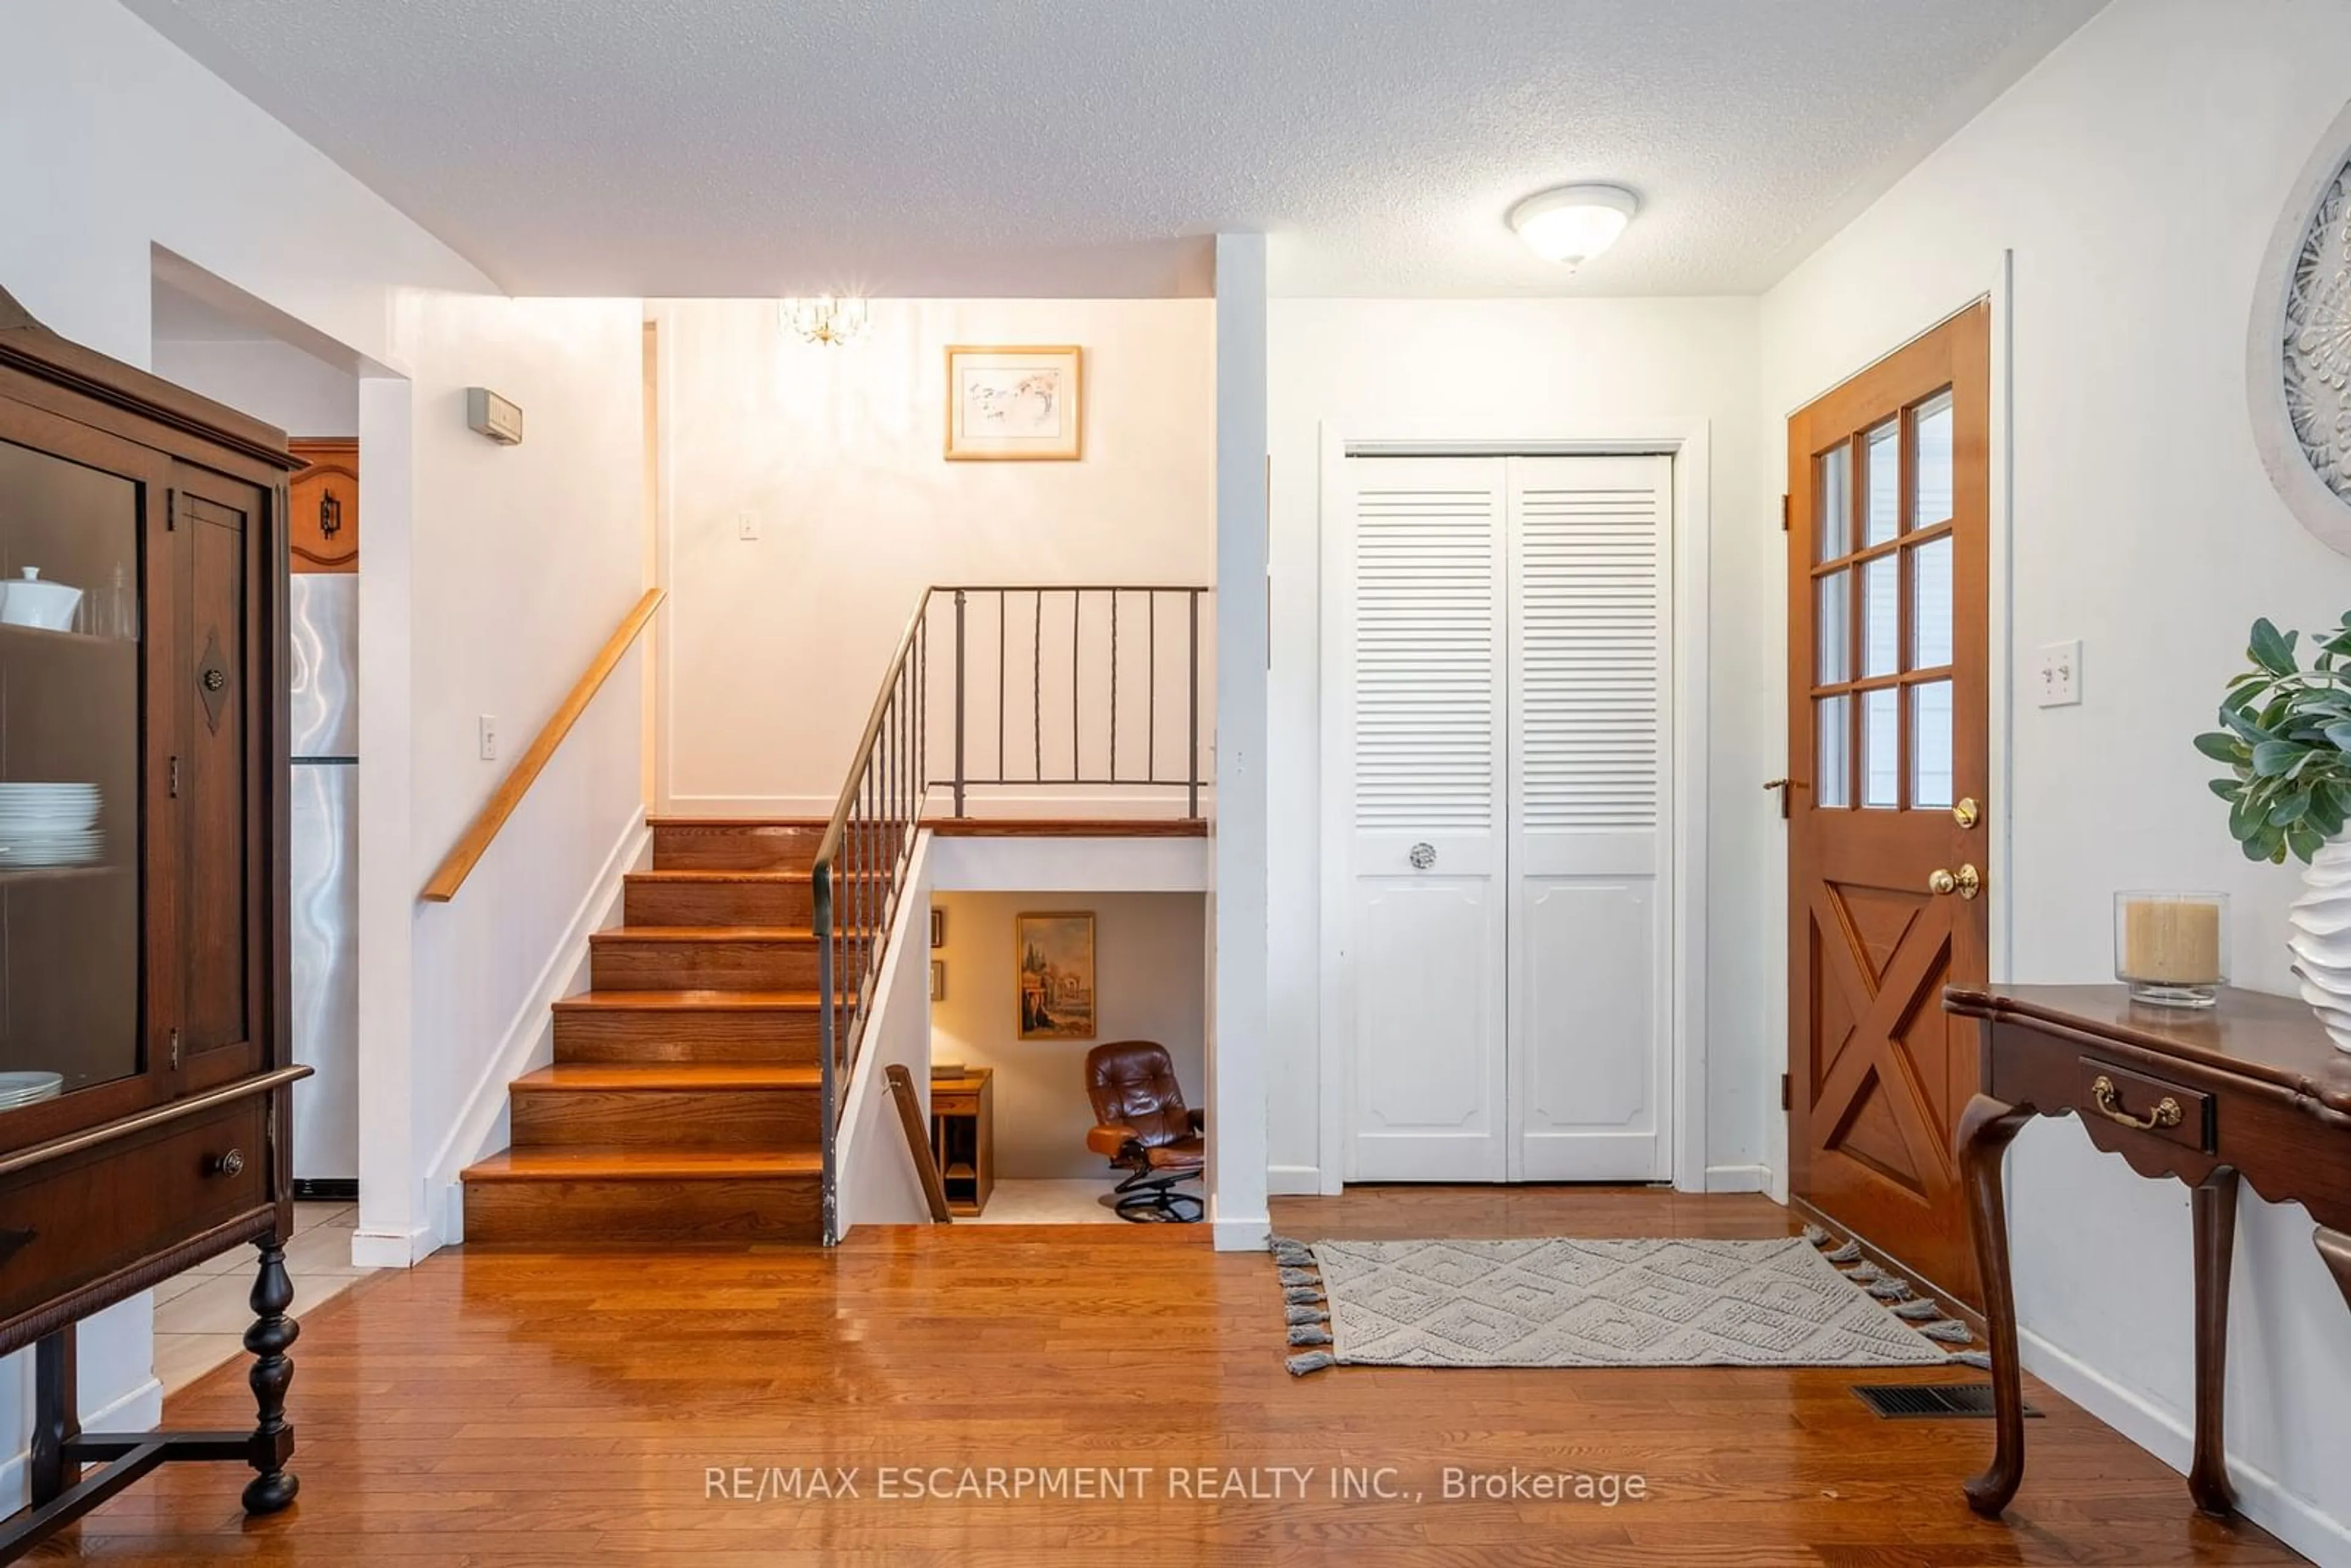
[{"x": 2298, "y": 367}]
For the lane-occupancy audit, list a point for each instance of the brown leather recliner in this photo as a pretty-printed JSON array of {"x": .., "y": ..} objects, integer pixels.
[{"x": 1145, "y": 1129}]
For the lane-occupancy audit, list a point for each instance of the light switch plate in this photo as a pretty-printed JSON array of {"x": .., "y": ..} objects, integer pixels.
[
  {"x": 490, "y": 737},
  {"x": 747, "y": 525},
  {"x": 2061, "y": 674}
]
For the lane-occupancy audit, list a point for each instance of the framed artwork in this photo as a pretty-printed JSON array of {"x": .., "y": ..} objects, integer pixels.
[
  {"x": 1011, "y": 404},
  {"x": 938, "y": 928},
  {"x": 938, "y": 979},
  {"x": 1057, "y": 975}
]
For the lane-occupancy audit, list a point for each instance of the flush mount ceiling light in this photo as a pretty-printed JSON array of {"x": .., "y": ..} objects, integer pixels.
[
  {"x": 824, "y": 318},
  {"x": 1573, "y": 223}
]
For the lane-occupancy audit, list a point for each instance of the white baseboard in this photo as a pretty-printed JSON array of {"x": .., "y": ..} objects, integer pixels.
[
  {"x": 1739, "y": 1178},
  {"x": 395, "y": 1249},
  {"x": 484, "y": 1111},
  {"x": 1239, "y": 1235},
  {"x": 2292, "y": 1517},
  {"x": 139, "y": 1410},
  {"x": 1293, "y": 1181}
]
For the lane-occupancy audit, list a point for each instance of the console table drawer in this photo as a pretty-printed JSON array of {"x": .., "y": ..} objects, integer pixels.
[
  {"x": 2159, "y": 1109},
  {"x": 64, "y": 1224}
]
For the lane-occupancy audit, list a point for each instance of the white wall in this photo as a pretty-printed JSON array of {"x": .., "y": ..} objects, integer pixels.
[
  {"x": 878, "y": 1183},
  {"x": 1374, "y": 368},
  {"x": 299, "y": 393},
  {"x": 1150, "y": 984},
  {"x": 773, "y": 647},
  {"x": 504, "y": 570},
  {"x": 2136, "y": 175}
]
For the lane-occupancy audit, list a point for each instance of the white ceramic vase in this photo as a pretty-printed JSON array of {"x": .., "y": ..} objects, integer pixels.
[{"x": 2321, "y": 941}]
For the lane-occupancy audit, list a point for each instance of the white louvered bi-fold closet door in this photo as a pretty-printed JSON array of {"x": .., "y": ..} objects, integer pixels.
[
  {"x": 1422, "y": 697},
  {"x": 1501, "y": 696},
  {"x": 1590, "y": 1068}
]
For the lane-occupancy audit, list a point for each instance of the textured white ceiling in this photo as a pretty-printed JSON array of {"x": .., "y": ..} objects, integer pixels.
[{"x": 1089, "y": 147}]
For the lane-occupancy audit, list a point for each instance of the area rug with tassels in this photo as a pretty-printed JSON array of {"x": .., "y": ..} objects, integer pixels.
[{"x": 1554, "y": 1302}]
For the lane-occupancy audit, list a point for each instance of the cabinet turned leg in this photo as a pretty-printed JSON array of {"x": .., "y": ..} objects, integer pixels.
[
  {"x": 2214, "y": 1209},
  {"x": 271, "y": 1335},
  {"x": 2336, "y": 1247},
  {"x": 1986, "y": 1130}
]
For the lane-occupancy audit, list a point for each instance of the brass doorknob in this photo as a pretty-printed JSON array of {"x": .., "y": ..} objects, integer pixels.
[{"x": 1967, "y": 881}]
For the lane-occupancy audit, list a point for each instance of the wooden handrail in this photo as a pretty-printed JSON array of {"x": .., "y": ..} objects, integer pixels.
[
  {"x": 909, "y": 1118},
  {"x": 475, "y": 841}
]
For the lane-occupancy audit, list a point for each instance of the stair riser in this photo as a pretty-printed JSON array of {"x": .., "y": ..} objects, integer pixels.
[
  {"x": 629, "y": 964},
  {"x": 721, "y": 904},
  {"x": 653, "y": 1213},
  {"x": 612, "y": 1035},
  {"x": 747, "y": 1121},
  {"x": 691, "y": 847}
]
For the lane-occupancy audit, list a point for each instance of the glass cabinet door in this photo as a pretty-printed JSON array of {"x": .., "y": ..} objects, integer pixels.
[{"x": 70, "y": 725}]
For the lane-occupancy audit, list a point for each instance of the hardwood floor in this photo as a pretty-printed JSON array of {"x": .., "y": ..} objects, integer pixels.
[{"x": 537, "y": 1410}]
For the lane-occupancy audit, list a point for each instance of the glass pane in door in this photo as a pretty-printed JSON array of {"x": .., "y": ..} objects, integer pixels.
[
  {"x": 1882, "y": 462},
  {"x": 1930, "y": 495},
  {"x": 69, "y": 733}
]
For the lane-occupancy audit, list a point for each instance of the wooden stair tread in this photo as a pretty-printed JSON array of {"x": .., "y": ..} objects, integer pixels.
[
  {"x": 705, "y": 933},
  {"x": 593, "y": 1164},
  {"x": 653, "y": 1077},
  {"x": 694, "y": 1001}
]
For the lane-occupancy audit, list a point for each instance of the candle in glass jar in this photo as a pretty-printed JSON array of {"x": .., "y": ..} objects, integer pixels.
[{"x": 2175, "y": 941}]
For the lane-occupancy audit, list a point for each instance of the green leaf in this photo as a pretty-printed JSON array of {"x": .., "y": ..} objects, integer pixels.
[
  {"x": 2304, "y": 841},
  {"x": 2338, "y": 736},
  {"x": 2272, "y": 650},
  {"x": 2226, "y": 788},
  {"x": 2272, "y": 758},
  {"x": 2245, "y": 816},
  {"x": 2237, "y": 720},
  {"x": 2253, "y": 849},
  {"x": 2324, "y": 815},
  {"x": 2290, "y": 810},
  {"x": 2221, "y": 746}
]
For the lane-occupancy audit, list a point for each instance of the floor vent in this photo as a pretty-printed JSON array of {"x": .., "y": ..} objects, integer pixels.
[{"x": 1930, "y": 1401}]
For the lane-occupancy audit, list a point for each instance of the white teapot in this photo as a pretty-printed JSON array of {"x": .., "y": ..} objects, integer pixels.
[{"x": 26, "y": 600}]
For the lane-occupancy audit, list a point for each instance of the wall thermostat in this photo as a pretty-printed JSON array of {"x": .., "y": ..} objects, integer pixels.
[{"x": 493, "y": 416}]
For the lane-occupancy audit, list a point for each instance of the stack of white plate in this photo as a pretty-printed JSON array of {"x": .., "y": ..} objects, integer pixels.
[
  {"x": 49, "y": 825},
  {"x": 24, "y": 1088}
]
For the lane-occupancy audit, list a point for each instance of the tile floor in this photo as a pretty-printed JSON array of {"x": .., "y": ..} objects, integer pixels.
[
  {"x": 1074, "y": 1202},
  {"x": 201, "y": 1315}
]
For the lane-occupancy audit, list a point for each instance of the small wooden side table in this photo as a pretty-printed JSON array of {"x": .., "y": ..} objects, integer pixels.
[
  {"x": 963, "y": 1138},
  {"x": 2249, "y": 1088}
]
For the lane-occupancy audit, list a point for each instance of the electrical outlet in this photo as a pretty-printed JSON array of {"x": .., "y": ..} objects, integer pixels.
[
  {"x": 2061, "y": 674},
  {"x": 747, "y": 525},
  {"x": 489, "y": 730}
]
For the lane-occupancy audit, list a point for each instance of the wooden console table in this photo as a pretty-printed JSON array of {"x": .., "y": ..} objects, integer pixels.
[
  {"x": 2251, "y": 1087},
  {"x": 963, "y": 1138}
]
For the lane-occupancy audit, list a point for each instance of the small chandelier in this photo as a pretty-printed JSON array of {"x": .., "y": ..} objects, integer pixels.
[{"x": 824, "y": 318}]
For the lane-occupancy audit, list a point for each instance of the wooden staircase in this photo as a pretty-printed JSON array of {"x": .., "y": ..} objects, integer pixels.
[{"x": 684, "y": 1102}]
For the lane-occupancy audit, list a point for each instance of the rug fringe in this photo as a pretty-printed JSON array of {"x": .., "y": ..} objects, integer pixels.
[
  {"x": 1300, "y": 1277},
  {"x": 1301, "y": 1295},
  {"x": 1950, "y": 1331},
  {"x": 1920, "y": 1311},
  {"x": 1981, "y": 1360},
  {"x": 1890, "y": 1288},
  {"x": 1864, "y": 1275},
  {"x": 1816, "y": 1236},
  {"x": 1312, "y": 1361},
  {"x": 1295, "y": 1315},
  {"x": 1306, "y": 1334},
  {"x": 1849, "y": 1253}
]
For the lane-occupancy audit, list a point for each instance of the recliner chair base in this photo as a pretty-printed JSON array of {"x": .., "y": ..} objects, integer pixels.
[{"x": 1148, "y": 1198}]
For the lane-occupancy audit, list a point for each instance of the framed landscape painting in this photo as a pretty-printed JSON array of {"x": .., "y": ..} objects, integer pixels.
[
  {"x": 1057, "y": 975},
  {"x": 1013, "y": 403}
]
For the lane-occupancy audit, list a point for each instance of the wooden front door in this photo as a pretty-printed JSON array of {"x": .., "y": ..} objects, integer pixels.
[{"x": 1888, "y": 698}]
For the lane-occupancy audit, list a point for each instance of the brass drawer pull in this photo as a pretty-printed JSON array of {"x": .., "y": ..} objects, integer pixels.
[
  {"x": 2167, "y": 1112},
  {"x": 232, "y": 1163}
]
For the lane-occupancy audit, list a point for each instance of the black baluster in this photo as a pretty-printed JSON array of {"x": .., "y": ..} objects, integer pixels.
[
  {"x": 1192, "y": 767},
  {"x": 1077, "y": 766},
  {"x": 1037, "y": 682},
  {"x": 1113, "y": 685}
]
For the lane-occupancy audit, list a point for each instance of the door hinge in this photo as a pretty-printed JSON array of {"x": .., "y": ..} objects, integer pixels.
[
  {"x": 176, "y": 1051},
  {"x": 1785, "y": 513},
  {"x": 1787, "y": 1093},
  {"x": 176, "y": 778}
]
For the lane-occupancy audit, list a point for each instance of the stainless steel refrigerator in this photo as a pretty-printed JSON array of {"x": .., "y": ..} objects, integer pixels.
[{"x": 325, "y": 745}]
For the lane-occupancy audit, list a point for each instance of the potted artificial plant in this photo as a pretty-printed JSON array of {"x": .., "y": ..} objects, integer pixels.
[{"x": 2285, "y": 738}]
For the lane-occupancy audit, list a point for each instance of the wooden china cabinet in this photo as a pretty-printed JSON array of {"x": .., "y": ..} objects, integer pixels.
[{"x": 145, "y": 1084}]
